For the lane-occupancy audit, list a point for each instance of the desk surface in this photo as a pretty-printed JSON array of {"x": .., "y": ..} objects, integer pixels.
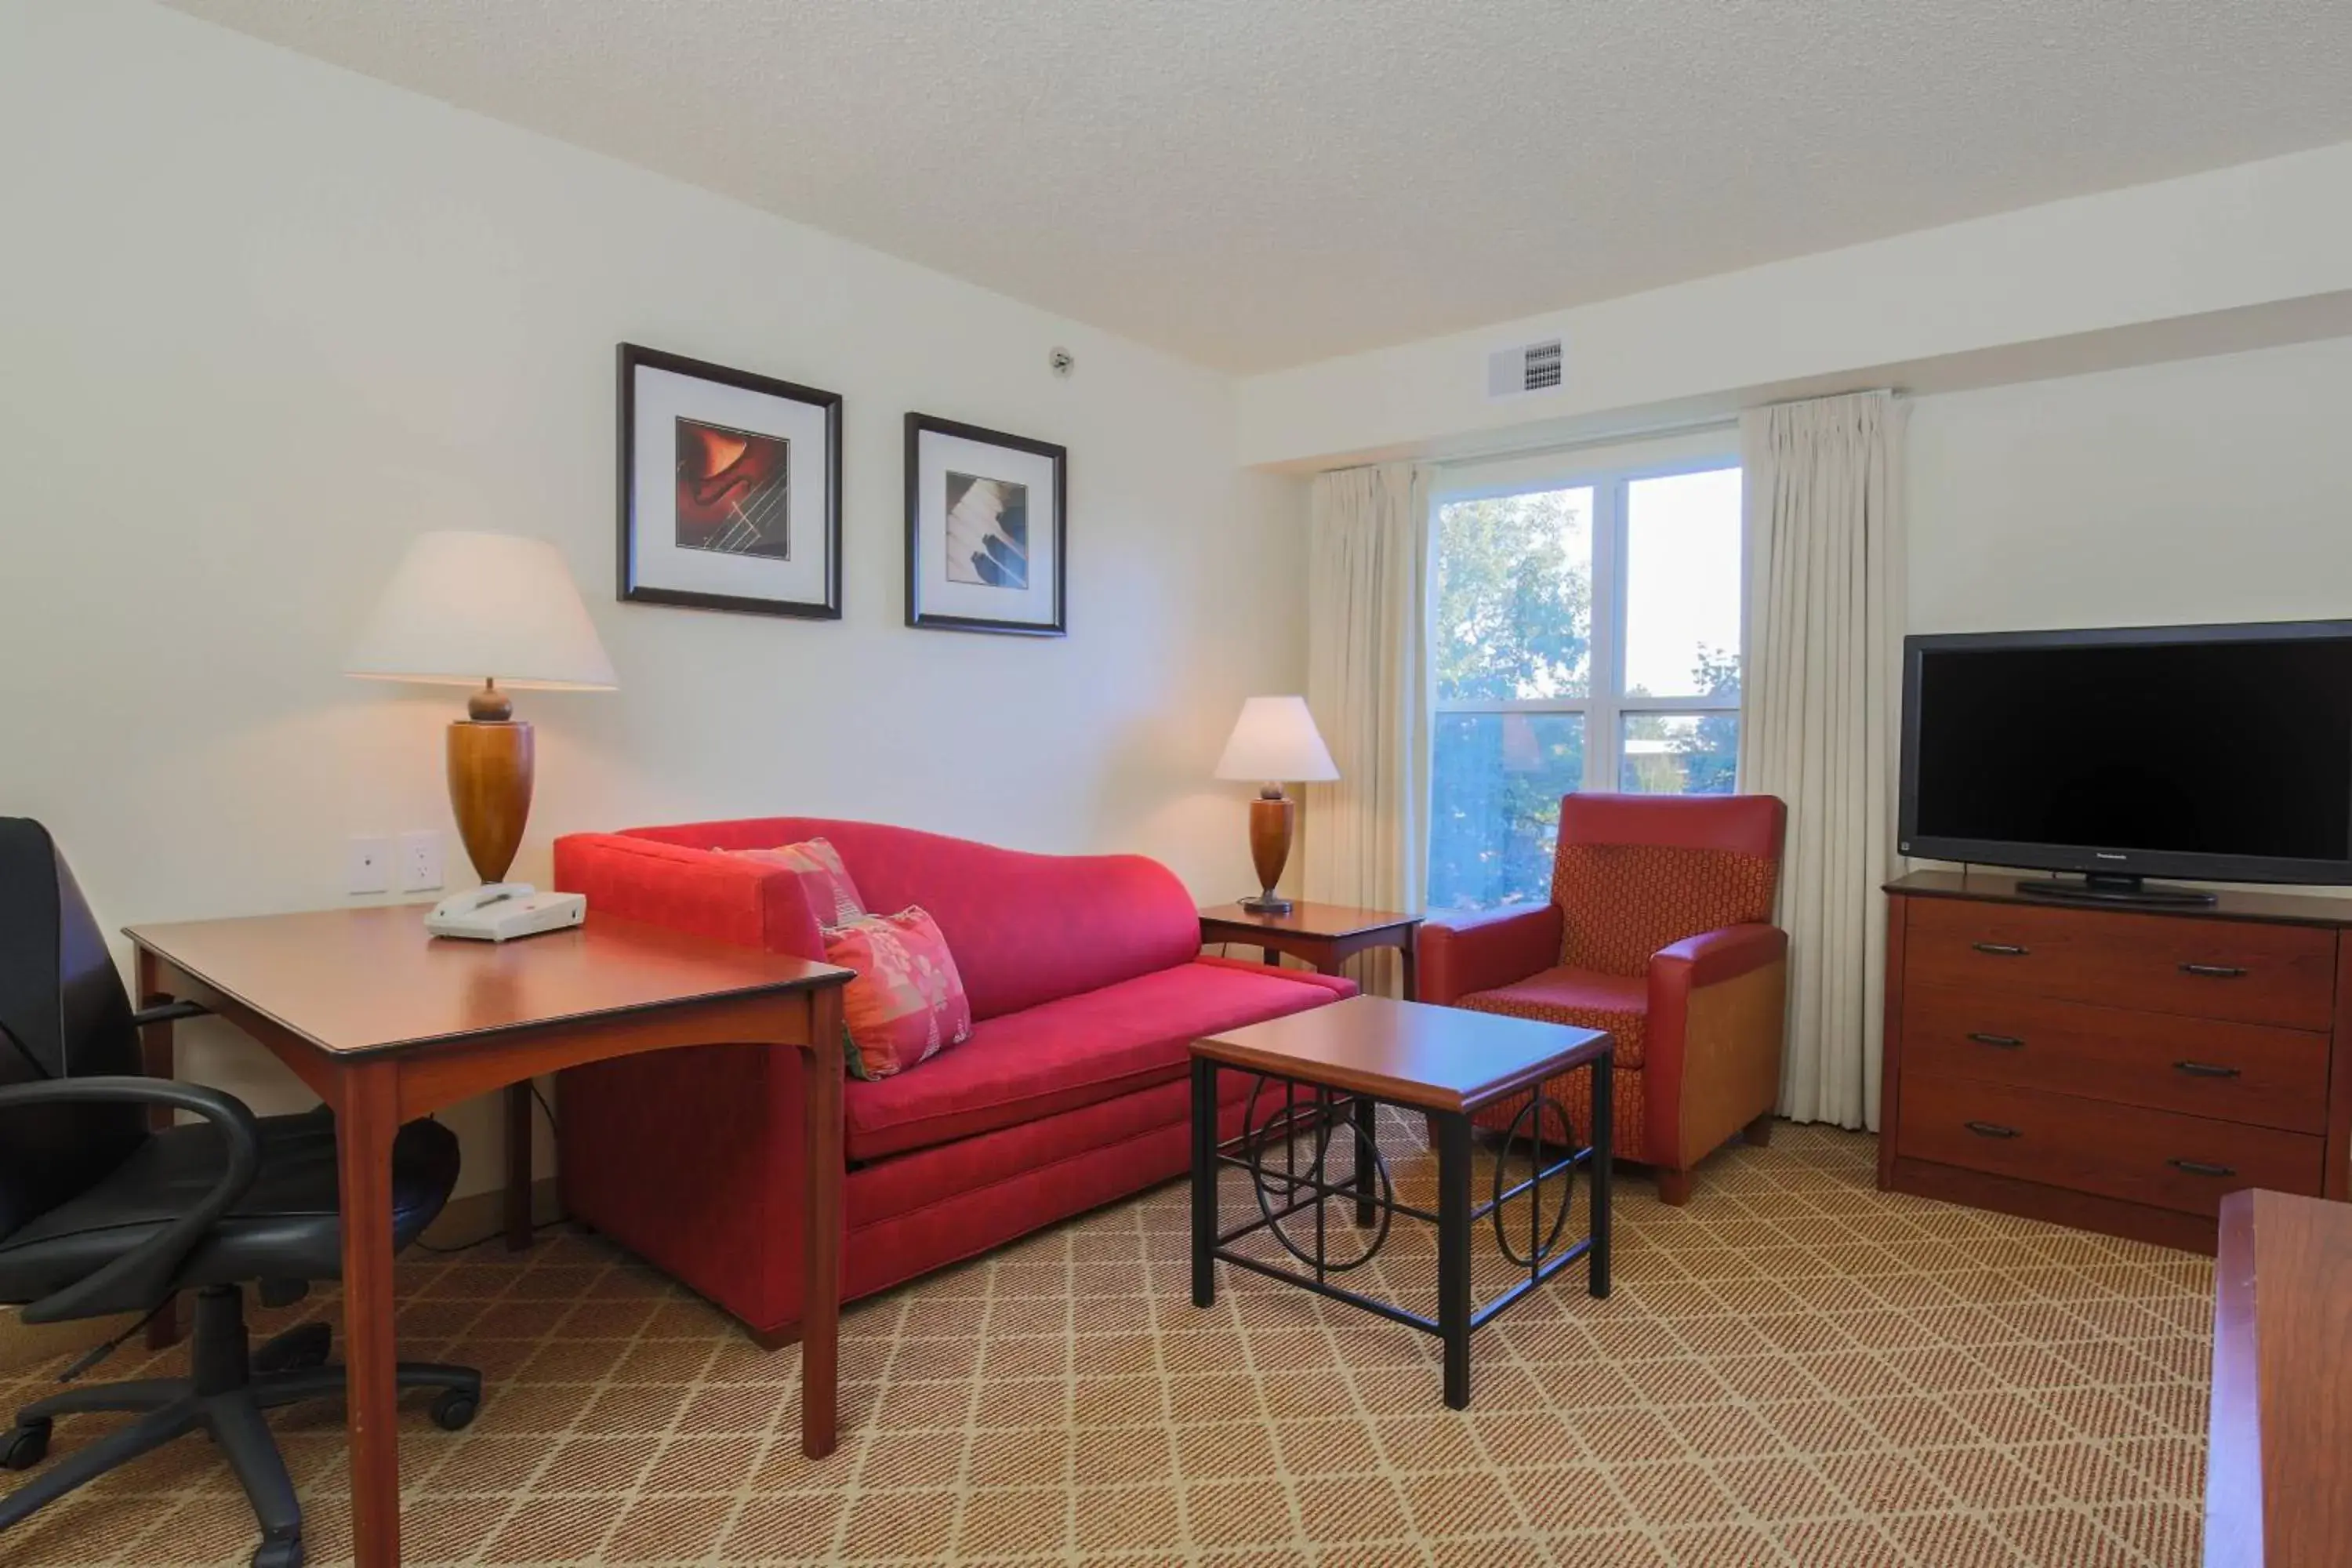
[
  {"x": 2278, "y": 1486},
  {"x": 356, "y": 982},
  {"x": 1407, "y": 1053}
]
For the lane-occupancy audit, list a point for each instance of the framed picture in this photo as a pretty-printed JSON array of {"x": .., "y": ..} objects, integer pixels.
[
  {"x": 730, "y": 489},
  {"x": 987, "y": 530}
]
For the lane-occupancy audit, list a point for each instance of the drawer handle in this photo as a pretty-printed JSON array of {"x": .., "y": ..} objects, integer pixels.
[
  {"x": 2006, "y": 1042},
  {"x": 2202, "y": 1168},
  {"x": 2214, "y": 971},
  {"x": 1989, "y": 1129},
  {"x": 2205, "y": 1069},
  {"x": 2001, "y": 948}
]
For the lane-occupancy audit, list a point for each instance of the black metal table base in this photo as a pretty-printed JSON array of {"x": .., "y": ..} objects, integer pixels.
[{"x": 1296, "y": 1188}]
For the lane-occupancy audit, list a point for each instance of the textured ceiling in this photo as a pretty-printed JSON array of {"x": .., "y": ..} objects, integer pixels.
[{"x": 1254, "y": 184}]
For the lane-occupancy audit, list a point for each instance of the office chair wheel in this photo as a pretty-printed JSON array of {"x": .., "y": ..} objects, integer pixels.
[
  {"x": 284, "y": 1553},
  {"x": 24, "y": 1446},
  {"x": 454, "y": 1410},
  {"x": 296, "y": 1350}
]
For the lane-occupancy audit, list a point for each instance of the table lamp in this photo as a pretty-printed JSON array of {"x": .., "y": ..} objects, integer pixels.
[
  {"x": 1275, "y": 741},
  {"x": 493, "y": 608}
]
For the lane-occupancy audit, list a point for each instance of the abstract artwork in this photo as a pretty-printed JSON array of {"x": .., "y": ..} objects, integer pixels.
[
  {"x": 986, "y": 530},
  {"x": 730, "y": 488},
  {"x": 734, "y": 493}
]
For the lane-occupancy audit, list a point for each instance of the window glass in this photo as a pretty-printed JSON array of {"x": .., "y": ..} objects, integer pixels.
[
  {"x": 1682, "y": 585},
  {"x": 1679, "y": 753},
  {"x": 1515, "y": 597},
  {"x": 1495, "y": 782}
]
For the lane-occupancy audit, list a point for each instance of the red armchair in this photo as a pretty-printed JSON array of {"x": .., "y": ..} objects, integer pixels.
[{"x": 1659, "y": 930}]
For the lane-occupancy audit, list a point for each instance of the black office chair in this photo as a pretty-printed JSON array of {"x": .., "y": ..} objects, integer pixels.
[{"x": 99, "y": 1215}]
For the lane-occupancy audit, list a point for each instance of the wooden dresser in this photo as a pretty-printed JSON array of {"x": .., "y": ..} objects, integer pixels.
[{"x": 2120, "y": 1070}]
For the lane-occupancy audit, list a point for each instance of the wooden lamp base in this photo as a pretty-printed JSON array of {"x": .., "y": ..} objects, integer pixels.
[
  {"x": 489, "y": 784},
  {"x": 1271, "y": 816}
]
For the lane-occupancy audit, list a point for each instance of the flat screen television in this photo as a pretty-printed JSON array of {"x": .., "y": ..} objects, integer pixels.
[{"x": 2218, "y": 753}]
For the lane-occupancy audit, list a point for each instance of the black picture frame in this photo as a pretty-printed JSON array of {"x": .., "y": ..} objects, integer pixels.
[
  {"x": 918, "y": 427},
  {"x": 631, "y": 357}
]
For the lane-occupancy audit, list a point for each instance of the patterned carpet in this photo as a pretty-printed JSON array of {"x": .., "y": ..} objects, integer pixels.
[{"x": 1795, "y": 1369}]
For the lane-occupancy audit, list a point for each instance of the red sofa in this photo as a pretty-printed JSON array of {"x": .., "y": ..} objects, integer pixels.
[{"x": 1087, "y": 983}]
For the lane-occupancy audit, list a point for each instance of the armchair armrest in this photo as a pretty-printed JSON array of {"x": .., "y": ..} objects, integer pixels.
[
  {"x": 1715, "y": 1022},
  {"x": 1462, "y": 954},
  {"x": 146, "y": 1270},
  {"x": 1716, "y": 955}
]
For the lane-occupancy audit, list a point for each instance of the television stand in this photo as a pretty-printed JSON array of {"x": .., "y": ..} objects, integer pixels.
[{"x": 2114, "y": 887}]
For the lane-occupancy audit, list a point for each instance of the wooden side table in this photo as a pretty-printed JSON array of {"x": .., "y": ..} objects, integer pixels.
[{"x": 1320, "y": 934}]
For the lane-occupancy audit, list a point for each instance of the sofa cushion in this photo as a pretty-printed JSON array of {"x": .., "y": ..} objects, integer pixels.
[
  {"x": 1076, "y": 1051},
  {"x": 1586, "y": 998},
  {"x": 906, "y": 1003},
  {"x": 826, "y": 883},
  {"x": 1025, "y": 928}
]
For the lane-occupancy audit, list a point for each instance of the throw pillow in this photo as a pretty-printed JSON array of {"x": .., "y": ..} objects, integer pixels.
[
  {"x": 907, "y": 1003},
  {"x": 825, "y": 882}
]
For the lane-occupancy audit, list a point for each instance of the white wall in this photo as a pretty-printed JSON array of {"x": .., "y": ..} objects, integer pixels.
[
  {"x": 2209, "y": 489},
  {"x": 265, "y": 320},
  {"x": 2236, "y": 256}
]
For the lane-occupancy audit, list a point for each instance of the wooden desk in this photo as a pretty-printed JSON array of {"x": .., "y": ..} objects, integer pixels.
[
  {"x": 2278, "y": 1473},
  {"x": 1321, "y": 934},
  {"x": 387, "y": 1024}
]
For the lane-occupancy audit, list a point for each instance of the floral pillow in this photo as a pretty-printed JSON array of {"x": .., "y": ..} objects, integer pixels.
[
  {"x": 825, "y": 882},
  {"x": 907, "y": 1003}
]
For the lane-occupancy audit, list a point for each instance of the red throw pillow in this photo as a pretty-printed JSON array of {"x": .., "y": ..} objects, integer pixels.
[
  {"x": 832, "y": 895},
  {"x": 907, "y": 1003}
]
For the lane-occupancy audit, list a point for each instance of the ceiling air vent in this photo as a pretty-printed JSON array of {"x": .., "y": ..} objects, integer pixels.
[{"x": 1523, "y": 370}]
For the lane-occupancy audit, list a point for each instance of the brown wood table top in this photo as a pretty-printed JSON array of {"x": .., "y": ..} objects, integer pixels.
[
  {"x": 355, "y": 982},
  {"x": 2278, "y": 1484},
  {"x": 1307, "y": 919},
  {"x": 1407, "y": 1053}
]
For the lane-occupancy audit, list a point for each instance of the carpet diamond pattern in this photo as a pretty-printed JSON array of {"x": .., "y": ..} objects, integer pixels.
[{"x": 1797, "y": 1370}]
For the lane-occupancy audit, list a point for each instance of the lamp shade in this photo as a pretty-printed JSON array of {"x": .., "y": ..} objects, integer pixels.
[
  {"x": 462, "y": 608},
  {"x": 1275, "y": 740}
]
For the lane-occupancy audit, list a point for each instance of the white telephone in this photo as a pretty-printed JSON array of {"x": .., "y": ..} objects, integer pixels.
[{"x": 499, "y": 911}]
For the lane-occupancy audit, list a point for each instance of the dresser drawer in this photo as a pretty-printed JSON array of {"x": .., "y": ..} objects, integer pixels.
[
  {"x": 2126, "y": 1152},
  {"x": 2256, "y": 1073},
  {"x": 2240, "y": 970}
]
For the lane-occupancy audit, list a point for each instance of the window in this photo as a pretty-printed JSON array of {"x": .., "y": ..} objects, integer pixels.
[{"x": 1586, "y": 635}]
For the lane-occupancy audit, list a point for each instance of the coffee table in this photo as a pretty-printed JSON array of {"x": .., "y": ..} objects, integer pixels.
[{"x": 1446, "y": 1062}]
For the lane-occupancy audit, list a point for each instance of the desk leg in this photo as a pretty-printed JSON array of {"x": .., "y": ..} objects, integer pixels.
[
  {"x": 517, "y": 1105},
  {"x": 1405, "y": 963},
  {"x": 366, "y": 1122},
  {"x": 158, "y": 1058},
  {"x": 821, "y": 1224}
]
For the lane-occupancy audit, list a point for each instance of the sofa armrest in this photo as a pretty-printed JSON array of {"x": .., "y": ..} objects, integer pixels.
[
  {"x": 1461, "y": 954},
  {"x": 1716, "y": 1025},
  {"x": 727, "y": 898}
]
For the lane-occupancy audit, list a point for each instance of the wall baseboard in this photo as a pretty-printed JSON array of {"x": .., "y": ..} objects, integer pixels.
[{"x": 476, "y": 1218}]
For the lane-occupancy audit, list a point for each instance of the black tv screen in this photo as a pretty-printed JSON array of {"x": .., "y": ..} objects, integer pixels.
[{"x": 2215, "y": 752}]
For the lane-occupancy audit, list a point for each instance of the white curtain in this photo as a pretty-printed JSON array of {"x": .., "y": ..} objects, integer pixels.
[
  {"x": 1368, "y": 684},
  {"x": 1822, "y": 710}
]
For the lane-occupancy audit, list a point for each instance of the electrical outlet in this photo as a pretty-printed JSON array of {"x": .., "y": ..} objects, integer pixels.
[
  {"x": 420, "y": 860},
  {"x": 367, "y": 864}
]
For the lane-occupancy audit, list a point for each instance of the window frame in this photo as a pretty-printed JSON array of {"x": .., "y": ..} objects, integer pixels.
[{"x": 1605, "y": 710}]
